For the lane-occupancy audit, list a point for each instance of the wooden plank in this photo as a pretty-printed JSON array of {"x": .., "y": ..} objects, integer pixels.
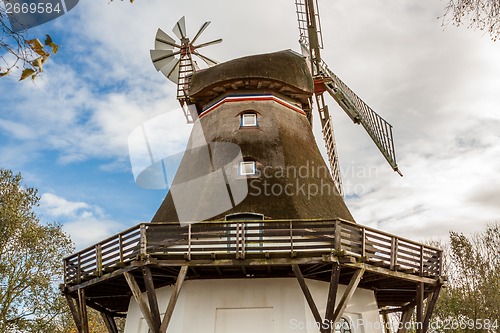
[
  {"x": 351, "y": 288},
  {"x": 74, "y": 312},
  {"x": 136, "y": 291},
  {"x": 307, "y": 294},
  {"x": 173, "y": 299},
  {"x": 430, "y": 307},
  {"x": 332, "y": 295},
  {"x": 151, "y": 294}
]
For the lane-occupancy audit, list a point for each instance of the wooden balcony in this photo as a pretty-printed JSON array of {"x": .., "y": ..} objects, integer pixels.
[
  {"x": 402, "y": 273},
  {"x": 253, "y": 243}
]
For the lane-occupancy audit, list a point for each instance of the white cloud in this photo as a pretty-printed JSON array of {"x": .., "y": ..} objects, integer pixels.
[
  {"x": 86, "y": 224},
  {"x": 438, "y": 88}
]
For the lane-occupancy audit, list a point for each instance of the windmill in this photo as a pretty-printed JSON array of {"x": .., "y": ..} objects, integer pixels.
[
  {"x": 380, "y": 131},
  {"x": 236, "y": 252},
  {"x": 175, "y": 60}
]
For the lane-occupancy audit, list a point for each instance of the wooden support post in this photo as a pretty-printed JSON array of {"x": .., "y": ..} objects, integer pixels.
[
  {"x": 151, "y": 293},
  {"x": 420, "y": 307},
  {"x": 110, "y": 323},
  {"x": 332, "y": 294},
  {"x": 431, "y": 304},
  {"x": 351, "y": 288},
  {"x": 75, "y": 313},
  {"x": 82, "y": 310},
  {"x": 173, "y": 299},
  {"x": 136, "y": 291},
  {"x": 387, "y": 322},
  {"x": 307, "y": 294},
  {"x": 405, "y": 319}
]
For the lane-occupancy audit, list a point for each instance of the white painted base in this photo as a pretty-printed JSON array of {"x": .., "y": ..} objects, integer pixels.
[{"x": 254, "y": 305}]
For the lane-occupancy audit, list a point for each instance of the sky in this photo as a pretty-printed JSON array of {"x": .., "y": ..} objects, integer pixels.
[{"x": 67, "y": 132}]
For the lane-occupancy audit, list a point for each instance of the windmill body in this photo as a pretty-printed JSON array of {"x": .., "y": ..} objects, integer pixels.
[{"x": 291, "y": 181}]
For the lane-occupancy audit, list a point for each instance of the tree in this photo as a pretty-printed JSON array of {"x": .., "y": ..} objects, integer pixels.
[
  {"x": 16, "y": 49},
  {"x": 31, "y": 256},
  {"x": 473, "y": 292},
  {"x": 478, "y": 14}
]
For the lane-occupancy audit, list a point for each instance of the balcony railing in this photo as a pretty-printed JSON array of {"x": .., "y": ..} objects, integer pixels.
[{"x": 213, "y": 240}]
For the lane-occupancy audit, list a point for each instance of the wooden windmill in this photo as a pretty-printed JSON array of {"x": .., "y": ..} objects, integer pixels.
[{"x": 217, "y": 259}]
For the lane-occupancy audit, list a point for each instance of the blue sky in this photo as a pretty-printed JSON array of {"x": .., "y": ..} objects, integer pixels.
[{"x": 68, "y": 132}]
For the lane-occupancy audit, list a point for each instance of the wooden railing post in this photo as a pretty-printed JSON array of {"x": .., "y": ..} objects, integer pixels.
[
  {"x": 65, "y": 270},
  {"x": 441, "y": 262},
  {"x": 98, "y": 259},
  {"x": 337, "y": 238},
  {"x": 79, "y": 269},
  {"x": 363, "y": 242},
  {"x": 189, "y": 242},
  {"x": 143, "y": 242},
  {"x": 291, "y": 240},
  {"x": 394, "y": 252},
  {"x": 421, "y": 260},
  {"x": 120, "y": 247}
]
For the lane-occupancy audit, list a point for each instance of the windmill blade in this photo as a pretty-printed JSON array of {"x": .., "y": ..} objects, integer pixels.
[
  {"x": 180, "y": 28},
  {"x": 207, "y": 60},
  {"x": 171, "y": 71},
  {"x": 379, "y": 129},
  {"x": 331, "y": 151},
  {"x": 213, "y": 42},
  {"x": 203, "y": 27},
  {"x": 329, "y": 140},
  {"x": 164, "y": 42},
  {"x": 162, "y": 58}
]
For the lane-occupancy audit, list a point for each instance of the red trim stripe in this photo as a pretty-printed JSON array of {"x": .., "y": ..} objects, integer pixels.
[{"x": 231, "y": 99}]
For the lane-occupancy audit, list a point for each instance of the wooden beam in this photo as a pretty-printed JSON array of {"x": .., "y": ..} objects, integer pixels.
[
  {"x": 110, "y": 323},
  {"x": 136, "y": 291},
  {"x": 307, "y": 294},
  {"x": 430, "y": 308},
  {"x": 151, "y": 293},
  {"x": 74, "y": 312},
  {"x": 82, "y": 310},
  {"x": 420, "y": 307},
  {"x": 405, "y": 319},
  {"x": 395, "y": 274},
  {"x": 332, "y": 294},
  {"x": 173, "y": 299},
  {"x": 351, "y": 288}
]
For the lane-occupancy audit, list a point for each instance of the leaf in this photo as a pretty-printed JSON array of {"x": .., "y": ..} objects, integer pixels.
[
  {"x": 5, "y": 73},
  {"x": 36, "y": 46},
  {"x": 53, "y": 46},
  {"x": 27, "y": 72},
  {"x": 38, "y": 62}
]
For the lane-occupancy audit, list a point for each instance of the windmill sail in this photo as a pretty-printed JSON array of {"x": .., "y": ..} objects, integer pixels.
[{"x": 377, "y": 127}]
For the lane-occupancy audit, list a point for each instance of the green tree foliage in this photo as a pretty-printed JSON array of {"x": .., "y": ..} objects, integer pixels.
[
  {"x": 30, "y": 261},
  {"x": 473, "y": 292}
]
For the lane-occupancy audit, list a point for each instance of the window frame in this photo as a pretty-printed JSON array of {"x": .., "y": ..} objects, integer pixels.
[
  {"x": 241, "y": 169},
  {"x": 255, "y": 117}
]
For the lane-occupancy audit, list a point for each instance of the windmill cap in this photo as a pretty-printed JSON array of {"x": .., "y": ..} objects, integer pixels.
[{"x": 286, "y": 71}]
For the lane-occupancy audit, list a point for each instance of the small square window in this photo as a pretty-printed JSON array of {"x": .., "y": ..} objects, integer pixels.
[
  {"x": 247, "y": 168},
  {"x": 248, "y": 120}
]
